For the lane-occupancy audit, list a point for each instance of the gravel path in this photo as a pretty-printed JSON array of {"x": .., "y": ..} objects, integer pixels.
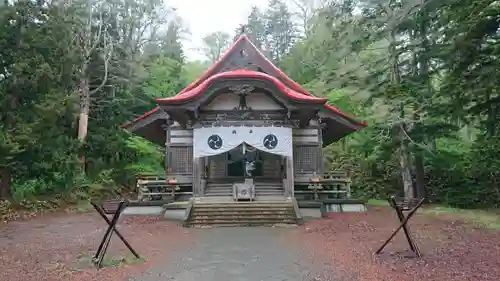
[
  {"x": 236, "y": 254},
  {"x": 57, "y": 247}
]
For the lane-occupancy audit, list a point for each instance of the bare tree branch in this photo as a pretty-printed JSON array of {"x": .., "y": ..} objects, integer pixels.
[{"x": 108, "y": 45}]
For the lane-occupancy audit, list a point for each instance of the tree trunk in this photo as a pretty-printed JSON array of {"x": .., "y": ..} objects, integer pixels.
[
  {"x": 404, "y": 158},
  {"x": 84, "y": 109},
  {"x": 421, "y": 190},
  {"x": 404, "y": 161},
  {"x": 5, "y": 183},
  {"x": 83, "y": 119}
]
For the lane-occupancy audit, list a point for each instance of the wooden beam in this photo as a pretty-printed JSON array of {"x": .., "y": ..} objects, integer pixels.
[{"x": 289, "y": 180}]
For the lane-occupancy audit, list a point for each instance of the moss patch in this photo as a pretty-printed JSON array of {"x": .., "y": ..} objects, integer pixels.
[
  {"x": 377, "y": 202},
  {"x": 82, "y": 206},
  {"x": 489, "y": 219},
  {"x": 482, "y": 218},
  {"x": 85, "y": 261}
]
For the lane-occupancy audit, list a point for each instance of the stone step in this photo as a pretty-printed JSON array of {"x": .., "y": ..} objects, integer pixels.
[
  {"x": 247, "y": 218},
  {"x": 241, "y": 210},
  {"x": 258, "y": 193},
  {"x": 228, "y": 198},
  {"x": 242, "y": 214},
  {"x": 227, "y": 191},
  {"x": 231, "y": 184},
  {"x": 218, "y": 192},
  {"x": 231, "y": 190},
  {"x": 256, "y": 187},
  {"x": 244, "y": 205},
  {"x": 241, "y": 223},
  {"x": 241, "y": 204}
]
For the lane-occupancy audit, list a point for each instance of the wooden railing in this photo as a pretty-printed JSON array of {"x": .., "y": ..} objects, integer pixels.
[
  {"x": 334, "y": 182},
  {"x": 157, "y": 187}
]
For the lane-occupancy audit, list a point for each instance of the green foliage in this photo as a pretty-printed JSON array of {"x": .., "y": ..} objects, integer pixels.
[
  {"x": 424, "y": 68},
  {"x": 425, "y": 65},
  {"x": 193, "y": 70},
  {"x": 163, "y": 78},
  {"x": 215, "y": 44},
  {"x": 40, "y": 69},
  {"x": 150, "y": 159}
]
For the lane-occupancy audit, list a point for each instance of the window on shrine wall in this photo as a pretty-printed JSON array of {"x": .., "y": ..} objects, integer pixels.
[
  {"x": 181, "y": 160},
  {"x": 305, "y": 159}
]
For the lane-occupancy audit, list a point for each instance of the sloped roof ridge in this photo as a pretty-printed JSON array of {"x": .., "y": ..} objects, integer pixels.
[
  {"x": 291, "y": 83},
  {"x": 240, "y": 73}
]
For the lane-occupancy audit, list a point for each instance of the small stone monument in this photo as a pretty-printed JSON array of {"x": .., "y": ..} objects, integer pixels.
[{"x": 244, "y": 191}]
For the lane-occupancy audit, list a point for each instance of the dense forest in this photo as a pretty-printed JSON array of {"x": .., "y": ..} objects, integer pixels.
[{"x": 423, "y": 74}]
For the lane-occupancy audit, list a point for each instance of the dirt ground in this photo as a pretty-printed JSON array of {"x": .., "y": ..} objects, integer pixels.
[
  {"x": 452, "y": 250},
  {"x": 59, "y": 247}
]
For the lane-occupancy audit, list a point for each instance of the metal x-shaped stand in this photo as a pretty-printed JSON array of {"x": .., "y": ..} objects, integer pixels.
[
  {"x": 115, "y": 211},
  {"x": 411, "y": 206}
]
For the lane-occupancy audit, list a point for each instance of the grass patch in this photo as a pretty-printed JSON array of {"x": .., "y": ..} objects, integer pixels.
[
  {"x": 378, "y": 202},
  {"x": 119, "y": 261},
  {"x": 82, "y": 206},
  {"x": 85, "y": 261},
  {"x": 481, "y": 218},
  {"x": 489, "y": 219}
]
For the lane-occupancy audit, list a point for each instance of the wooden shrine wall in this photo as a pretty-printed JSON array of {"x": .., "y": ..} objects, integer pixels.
[
  {"x": 217, "y": 167},
  {"x": 307, "y": 156},
  {"x": 307, "y": 153},
  {"x": 179, "y": 153}
]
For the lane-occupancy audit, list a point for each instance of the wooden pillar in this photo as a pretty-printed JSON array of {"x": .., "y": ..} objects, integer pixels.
[
  {"x": 167, "y": 150},
  {"x": 288, "y": 182},
  {"x": 321, "y": 160},
  {"x": 203, "y": 178},
  {"x": 197, "y": 172}
]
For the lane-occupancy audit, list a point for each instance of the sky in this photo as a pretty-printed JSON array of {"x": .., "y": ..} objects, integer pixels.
[{"x": 204, "y": 16}]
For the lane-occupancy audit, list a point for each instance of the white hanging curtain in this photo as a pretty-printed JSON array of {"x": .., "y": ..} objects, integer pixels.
[{"x": 216, "y": 140}]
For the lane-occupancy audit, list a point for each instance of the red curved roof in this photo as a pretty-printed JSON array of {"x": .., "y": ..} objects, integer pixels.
[
  {"x": 240, "y": 73},
  {"x": 294, "y": 85},
  {"x": 297, "y": 87},
  {"x": 293, "y": 90}
]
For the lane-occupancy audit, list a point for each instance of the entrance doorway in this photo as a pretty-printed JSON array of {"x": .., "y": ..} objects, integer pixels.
[{"x": 236, "y": 161}]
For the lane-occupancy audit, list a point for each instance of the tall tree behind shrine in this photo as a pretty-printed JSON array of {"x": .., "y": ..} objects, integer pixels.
[
  {"x": 426, "y": 107},
  {"x": 40, "y": 101},
  {"x": 448, "y": 90},
  {"x": 281, "y": 31},
  {"x": 112, "y": 38},
  {"x": 215, "y": 44},
  {"x": 272, "y": 30}
]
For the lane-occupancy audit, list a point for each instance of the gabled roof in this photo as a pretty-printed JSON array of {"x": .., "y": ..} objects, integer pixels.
[
  {"x": 277, "y": 73},
  {"x": 272, "y": 73},
  {"x": 239, "y": 73},
  {"x": 151, "y": 112}
]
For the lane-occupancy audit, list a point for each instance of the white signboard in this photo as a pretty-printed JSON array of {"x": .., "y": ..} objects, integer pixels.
[{"x": 217, "y": 140}]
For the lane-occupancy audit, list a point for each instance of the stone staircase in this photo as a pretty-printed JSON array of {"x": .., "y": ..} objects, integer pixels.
[
  {"x": 226, "y": 189},
  {"x": 241, "y": 213}
]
